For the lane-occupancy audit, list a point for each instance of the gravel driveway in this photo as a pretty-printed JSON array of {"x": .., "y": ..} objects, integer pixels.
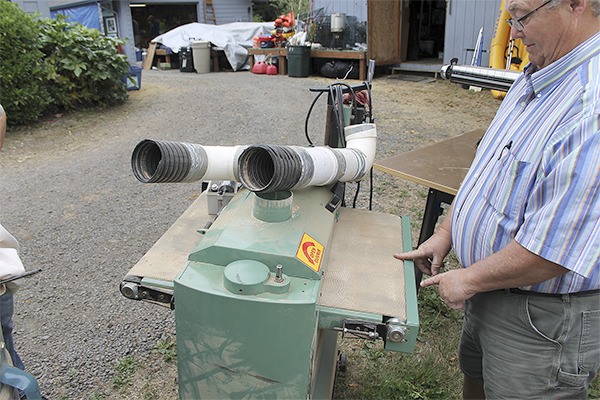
[{"x": 67, "y": 193}]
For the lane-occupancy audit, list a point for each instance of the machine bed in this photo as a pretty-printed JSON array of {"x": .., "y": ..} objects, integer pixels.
[{"x": 361, "y": 273}]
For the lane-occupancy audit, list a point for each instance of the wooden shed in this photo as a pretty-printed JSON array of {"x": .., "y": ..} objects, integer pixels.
[{"x": 420, "y": 35}]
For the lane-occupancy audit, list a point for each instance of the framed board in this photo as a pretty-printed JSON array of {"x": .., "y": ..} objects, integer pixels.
[{"x": 110, "y": 24}]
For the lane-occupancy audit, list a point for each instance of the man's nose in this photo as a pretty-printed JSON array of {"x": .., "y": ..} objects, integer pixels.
[{"x": 515, "y": 33}]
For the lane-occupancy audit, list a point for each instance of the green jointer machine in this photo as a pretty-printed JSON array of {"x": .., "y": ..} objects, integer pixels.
[{"x": 267, "y": 270}]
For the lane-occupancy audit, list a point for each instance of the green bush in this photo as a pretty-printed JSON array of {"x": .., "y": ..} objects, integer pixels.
[
  {"x": 85, "y": 66},
  {"x": 23, "y": 73},
  {"x": 51, "y": 65}
]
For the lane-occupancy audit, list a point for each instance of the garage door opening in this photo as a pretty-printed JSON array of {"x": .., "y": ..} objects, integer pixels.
[
  {"x": 427, "y": 29},
  {"x": 151, "y": 20}
]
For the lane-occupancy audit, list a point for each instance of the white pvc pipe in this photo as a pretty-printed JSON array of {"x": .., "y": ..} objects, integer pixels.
[
  {"x": 221, "y": 162},
  {"x": 362, "y": 137},
  {"x": 272, "y": 168},
  {"x": 326, "y": 166},
  {"x": 345, "y": 164}
]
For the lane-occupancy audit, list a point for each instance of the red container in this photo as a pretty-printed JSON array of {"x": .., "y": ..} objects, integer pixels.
[
  {"x": 259, "y": 68},
  {"x": 271, "y": 69}
]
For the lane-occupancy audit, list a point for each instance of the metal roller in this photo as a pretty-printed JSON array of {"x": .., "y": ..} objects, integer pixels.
[{"x": 488, "y": 78}]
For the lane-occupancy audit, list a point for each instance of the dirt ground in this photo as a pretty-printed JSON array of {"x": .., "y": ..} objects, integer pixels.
[{"x": 69, "y": 196}]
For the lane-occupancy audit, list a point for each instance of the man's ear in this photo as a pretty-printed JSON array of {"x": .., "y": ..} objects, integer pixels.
[{"x": 578, "y": 6}]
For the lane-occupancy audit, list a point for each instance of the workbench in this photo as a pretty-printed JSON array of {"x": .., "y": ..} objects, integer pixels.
[
  {"x": 360, "y": 56},
  {"x": 441, "y": 167},
  {"x": 154, "y": 52},
  {"x": 281, "y": 54}
]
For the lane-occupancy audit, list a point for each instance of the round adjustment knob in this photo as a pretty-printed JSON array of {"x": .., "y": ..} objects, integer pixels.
[{"x": 246, "y": 277}]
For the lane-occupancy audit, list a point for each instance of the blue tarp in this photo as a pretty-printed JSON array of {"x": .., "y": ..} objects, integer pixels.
[{"x": 87, "y": 14}]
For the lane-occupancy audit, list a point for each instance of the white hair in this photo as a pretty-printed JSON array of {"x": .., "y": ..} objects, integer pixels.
[{"x": 594, "y": 6}]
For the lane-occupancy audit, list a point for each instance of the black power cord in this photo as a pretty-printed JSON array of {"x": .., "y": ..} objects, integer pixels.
[{"x": 336, "y": 94}]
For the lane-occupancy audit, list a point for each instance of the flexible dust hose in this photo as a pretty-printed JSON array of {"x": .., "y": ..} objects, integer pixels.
[
  {"x": 157, "y": 161},
  {"x": 261, "y": 168},
  {"x": 266, "y": 168}
]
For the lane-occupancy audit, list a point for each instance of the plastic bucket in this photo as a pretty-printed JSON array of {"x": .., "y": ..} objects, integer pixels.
[
  {"x": 298, "y": 61},
  {"x": 201, "y": 57},
  {"x": 133, "y": 80}
]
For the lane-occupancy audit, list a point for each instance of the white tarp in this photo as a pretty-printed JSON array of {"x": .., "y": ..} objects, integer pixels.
[{"x": 233, "y": 38}]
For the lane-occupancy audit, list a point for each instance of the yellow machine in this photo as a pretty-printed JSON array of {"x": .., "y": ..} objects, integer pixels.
[{"x": 506, "y": 53}]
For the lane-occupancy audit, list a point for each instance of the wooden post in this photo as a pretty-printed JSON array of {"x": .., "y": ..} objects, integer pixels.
[{"x": 150, "y": 56}]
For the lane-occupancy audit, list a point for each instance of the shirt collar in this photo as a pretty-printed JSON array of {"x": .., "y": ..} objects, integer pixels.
[{"x": 540, "y": 79}]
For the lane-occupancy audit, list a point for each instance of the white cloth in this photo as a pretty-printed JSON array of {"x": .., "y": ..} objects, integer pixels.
[
  {"x": 233, "y": 38},
  {"x": 10, "y": 262}
]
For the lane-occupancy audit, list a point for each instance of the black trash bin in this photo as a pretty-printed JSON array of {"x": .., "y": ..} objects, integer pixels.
[
  {"x": 298, "y": 61},
  {"x": 186, "y": 61}
]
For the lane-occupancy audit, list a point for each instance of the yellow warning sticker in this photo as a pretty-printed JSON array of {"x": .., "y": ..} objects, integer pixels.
[{"x": 310, "y": 252}]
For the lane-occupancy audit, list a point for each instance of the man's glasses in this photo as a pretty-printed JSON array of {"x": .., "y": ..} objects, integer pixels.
[{"x": 518, "y": 23}]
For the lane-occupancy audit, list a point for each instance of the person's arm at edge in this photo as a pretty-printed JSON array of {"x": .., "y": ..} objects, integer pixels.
[{"x": 2, "y": 126}]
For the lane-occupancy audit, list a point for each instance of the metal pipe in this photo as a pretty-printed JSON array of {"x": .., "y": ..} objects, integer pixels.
[{"x": 489, "y": 78}]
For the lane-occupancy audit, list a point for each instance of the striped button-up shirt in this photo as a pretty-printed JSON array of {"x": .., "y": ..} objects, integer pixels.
[{"x": 536, "y": 174}]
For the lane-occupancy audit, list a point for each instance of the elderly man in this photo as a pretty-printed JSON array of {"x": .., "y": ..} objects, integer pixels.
[{"x": 525, "y": 224}]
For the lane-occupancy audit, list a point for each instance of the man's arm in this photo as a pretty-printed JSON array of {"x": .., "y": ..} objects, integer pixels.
[
  {"x": 511, "y": 267},
  {"x": 2, "y": 125}
]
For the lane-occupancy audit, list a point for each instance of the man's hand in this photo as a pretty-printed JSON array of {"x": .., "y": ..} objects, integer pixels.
[
  {"x": 429, "y": 256},
  {"x": 452, "y": 287},
  {"x": 511, "y": 267}
]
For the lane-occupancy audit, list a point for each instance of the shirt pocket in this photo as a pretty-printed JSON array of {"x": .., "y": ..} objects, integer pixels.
[{"x": 510, "y": 182}]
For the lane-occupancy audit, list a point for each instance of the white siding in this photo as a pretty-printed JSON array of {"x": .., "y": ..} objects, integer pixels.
[
  {"x": 464, "y": 18},
  {"x": 357, "y": 8},
  {"x": 227, "y": 11},
  {"x": 34, "y": 6},
  {"x": 126, "y": 28}
]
